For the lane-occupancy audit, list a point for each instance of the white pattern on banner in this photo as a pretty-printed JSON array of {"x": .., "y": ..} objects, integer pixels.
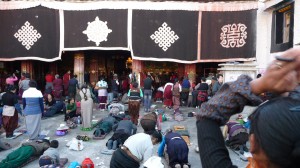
[
  {"x": 164, "y": 37},
  {"x": 27, "y": 35},
  {"x": 97, "y": 31},
  {"x": 233, "y": 35}
]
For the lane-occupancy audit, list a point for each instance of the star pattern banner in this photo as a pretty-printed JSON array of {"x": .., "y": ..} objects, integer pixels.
[
  {"x": 165, "y": 35},
  {"x": 228, "y": 35},
  {"x": 96, "y": 29},
  {"x": 32, "y": 33}
]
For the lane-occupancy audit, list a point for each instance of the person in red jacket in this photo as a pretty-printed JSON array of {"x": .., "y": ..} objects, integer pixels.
[{"x": 49, "y": 80}]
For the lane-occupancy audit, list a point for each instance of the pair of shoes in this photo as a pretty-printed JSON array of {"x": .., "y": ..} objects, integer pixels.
[{"x": 177, "y": 166}]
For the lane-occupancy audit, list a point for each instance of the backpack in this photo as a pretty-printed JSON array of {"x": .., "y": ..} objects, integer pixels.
[
  {"x": 202, "y": 96},
  {"x": 87, "y": 163}
]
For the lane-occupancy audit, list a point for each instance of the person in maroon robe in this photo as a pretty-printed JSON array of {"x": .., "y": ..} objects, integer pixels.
[
  {"x": 66, "y": 78},
  {"x": 57, "y": 87}
]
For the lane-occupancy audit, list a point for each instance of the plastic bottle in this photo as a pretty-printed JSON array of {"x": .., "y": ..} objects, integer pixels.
[{"x": 78, "y": 120}]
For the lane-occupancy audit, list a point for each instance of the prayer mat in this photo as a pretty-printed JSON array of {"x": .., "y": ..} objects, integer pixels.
[{"x": 183, "y": 132}]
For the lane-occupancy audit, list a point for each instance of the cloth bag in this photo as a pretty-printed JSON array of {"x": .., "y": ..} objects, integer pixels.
[
  {"x": 87, "y": 163},
  {"x": 8, "y": 110},
  {"x": 75, "y": 144},
  {"x": 154, "y": 162}
]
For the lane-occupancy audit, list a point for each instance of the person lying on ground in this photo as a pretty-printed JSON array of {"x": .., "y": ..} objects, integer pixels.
[
  {"x": 21, "y": 155},
  {"x": 122, "y": 130},
  {"x": 274, "y": 135},
  {"x": 137, "y": 149},
  {"x": 104, "y": 127},
  {"x": 236, "y": 136},
  {"x": 176, "y": 152}
]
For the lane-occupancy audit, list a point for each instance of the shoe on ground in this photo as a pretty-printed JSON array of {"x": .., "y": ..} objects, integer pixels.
[
  {"x": 177, "y": 166},
  {"x": 197, "y": 149},
  {"x": 185, "y": 166}
]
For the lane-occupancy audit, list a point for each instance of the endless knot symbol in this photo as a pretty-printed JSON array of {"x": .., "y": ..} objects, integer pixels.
[
  {"x": 97, "y": 31},
  {"x": 233, "y": 35},
  {"x": 27, "y": 35},
  {"x": 164, "y": 37}
]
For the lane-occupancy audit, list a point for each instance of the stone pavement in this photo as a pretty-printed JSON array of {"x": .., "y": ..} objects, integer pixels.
[{"x": 92, "y": 148}]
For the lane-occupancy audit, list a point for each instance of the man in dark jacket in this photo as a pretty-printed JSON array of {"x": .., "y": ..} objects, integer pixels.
[{"x": 147, "y": 93}]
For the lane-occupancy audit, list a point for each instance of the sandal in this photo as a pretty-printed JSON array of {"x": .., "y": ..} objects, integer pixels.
[{"x": 83, "y": 137}]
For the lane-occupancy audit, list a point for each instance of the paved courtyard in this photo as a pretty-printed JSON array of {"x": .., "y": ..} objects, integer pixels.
[{"x": 92, "y": 148}]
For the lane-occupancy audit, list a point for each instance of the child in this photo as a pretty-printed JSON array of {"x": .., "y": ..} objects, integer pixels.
[
  {"x": 71, "y": 109},
  {"x": 51, "y": 155}
]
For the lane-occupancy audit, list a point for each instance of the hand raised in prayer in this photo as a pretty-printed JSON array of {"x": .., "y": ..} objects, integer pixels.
[{"x": 281, "y": 76}]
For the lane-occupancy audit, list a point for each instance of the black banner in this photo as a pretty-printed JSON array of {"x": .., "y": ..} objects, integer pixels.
[
  {"x": 30, "y": 34},
  {"x": 165, "y": 35},
  {"x": 96, "y": 29},
  {"x": 228, "y": 35}
]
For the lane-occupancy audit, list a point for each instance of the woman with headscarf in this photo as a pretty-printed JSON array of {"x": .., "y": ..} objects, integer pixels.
[
  {"x": 168, "y": 94},
  {"x": 176, "y": 95},
  {"x": 10, "y": 112},
  {"x": 135, "y": 94},
  {"x": 274, "y": 132},
  {"x": 86, "y": 108},
  {"x": 33, "y": 107}
]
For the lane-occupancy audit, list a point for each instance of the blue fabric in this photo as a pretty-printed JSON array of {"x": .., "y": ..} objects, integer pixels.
[
  {"x": 18, "y": 108},
  {"x": 186, "y": 83},
  {"x": 33, "y": 105},
  {"x": 161, "y": 147},
  {"x": 147, "y": 99},
  {"x": 74, "y": 165}
]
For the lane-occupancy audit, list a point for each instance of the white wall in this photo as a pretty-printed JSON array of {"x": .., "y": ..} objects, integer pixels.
[
  {"x": 263, "y": 39},
  {"x": 264, "y": 30}
]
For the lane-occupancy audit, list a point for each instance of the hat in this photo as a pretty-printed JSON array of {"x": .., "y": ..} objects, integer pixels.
[
  {"x": 115, "y": 75},
  {"x": 62, "y": 127}
]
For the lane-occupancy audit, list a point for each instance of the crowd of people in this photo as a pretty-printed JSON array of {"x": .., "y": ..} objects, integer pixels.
[{"x": 273, "y": 133}]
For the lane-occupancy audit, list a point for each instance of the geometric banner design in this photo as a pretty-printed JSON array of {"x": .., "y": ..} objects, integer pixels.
[
  {"x": 229, "y": 35},
  {"x": 165, "y": 35},
  {"x": 32, "y": 33},
  {"x": 96, "y": 29}
]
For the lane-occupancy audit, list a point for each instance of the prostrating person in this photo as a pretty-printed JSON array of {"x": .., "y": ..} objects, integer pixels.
[{"x": 137, "y": 149}]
